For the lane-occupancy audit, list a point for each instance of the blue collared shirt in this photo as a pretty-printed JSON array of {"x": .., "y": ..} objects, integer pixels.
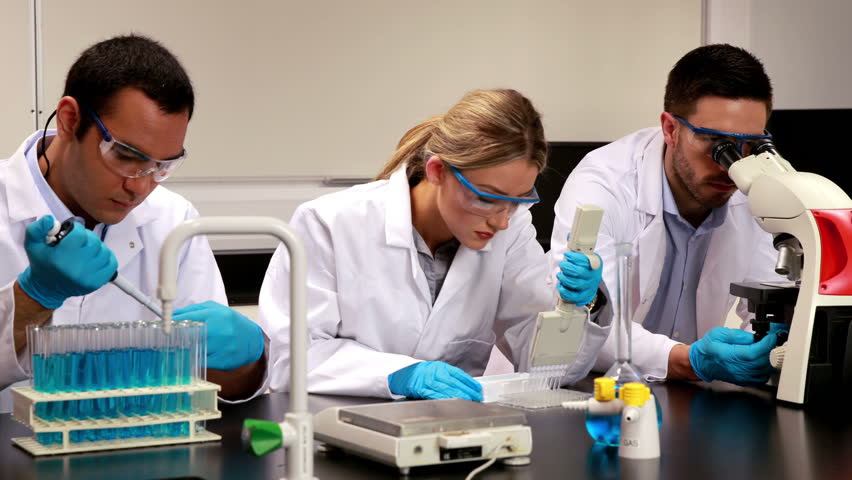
[{"x": 673, "y": 311}]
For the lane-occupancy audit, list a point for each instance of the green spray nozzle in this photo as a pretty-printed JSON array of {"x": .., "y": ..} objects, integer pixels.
[{"x": 261, "y": 436}]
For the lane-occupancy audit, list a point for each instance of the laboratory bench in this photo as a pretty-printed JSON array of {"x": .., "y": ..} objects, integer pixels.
[{"x": 709, "y": 431}]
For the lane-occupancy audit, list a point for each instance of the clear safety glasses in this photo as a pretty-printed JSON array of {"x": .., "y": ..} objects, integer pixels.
[
  {"x": 702, "y": 139},
  {"x": 128, "y": 161},
  {"x": 489, "y": 204}
]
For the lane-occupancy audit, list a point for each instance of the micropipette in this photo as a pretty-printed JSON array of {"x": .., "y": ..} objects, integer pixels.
[{"x": 59, "y": 231}]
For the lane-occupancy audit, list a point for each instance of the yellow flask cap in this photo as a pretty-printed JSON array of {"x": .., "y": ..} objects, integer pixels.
[
  {"x": 604, "y": 389},
  {"x": 635, "y": 394}
]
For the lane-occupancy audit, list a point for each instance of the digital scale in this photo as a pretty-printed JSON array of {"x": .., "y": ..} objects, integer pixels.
[{"x": 409, "y": 434}]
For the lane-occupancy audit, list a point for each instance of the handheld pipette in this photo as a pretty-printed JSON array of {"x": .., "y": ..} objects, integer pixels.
[
  {"x": 59, "y": 231},
  {"x": 559, "y": 334}
]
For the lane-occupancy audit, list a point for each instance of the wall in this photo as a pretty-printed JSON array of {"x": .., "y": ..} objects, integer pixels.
[
  {"x": 17, "y": 80},
  {"x": 292, "y": 96},
  {"x": 805, "y": 46}
]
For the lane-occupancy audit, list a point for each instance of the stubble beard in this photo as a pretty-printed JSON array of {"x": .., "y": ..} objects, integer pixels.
[{"x": 684, "y": 171}]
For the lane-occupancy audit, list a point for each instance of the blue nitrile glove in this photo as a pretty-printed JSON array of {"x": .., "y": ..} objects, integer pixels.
[
  {"x": 77, "y": 265},
  {"x": 731, "y": 355},
  {"x": 778, "y": 327},
  {"x": 578, "y": 283},
  {"x": 233, "y": 340},
  {"x": 434, "y": 380}
]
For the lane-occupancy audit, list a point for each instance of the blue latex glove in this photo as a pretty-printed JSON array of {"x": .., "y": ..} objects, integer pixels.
[
  {"x": 731, "y": 355},
  {"x": 434, "y": 380},
  {"x": 578, "y": 283},
  {"x": 77, "y": 265},
  {"x": 233, "y": 340}
]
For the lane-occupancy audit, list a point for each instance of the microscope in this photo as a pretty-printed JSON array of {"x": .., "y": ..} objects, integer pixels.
[{"x": 811, "y": 220}]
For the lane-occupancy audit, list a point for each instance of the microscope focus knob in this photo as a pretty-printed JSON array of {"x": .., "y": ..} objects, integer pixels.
[{"x": 776, "y": 357}]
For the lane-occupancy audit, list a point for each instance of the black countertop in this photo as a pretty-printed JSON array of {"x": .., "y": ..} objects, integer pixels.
[{"x": 714, "y": 431}]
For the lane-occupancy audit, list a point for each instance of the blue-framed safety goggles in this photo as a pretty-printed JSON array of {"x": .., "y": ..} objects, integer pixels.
[
  {"x": 488, "y": 204},
  {"x": 704, "y": 138},
  {"x": 127, "y": 160}
]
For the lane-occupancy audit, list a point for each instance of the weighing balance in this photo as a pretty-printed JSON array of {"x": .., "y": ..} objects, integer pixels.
[{"x": 407, "y": 434}]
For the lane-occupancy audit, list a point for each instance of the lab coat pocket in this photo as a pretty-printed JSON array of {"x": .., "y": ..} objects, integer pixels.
[{"x": 469, "y": 355}]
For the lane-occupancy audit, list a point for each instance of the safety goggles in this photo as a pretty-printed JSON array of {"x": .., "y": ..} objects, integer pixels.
[
  {"x": 128, "y": 161},
  {"x": 702, "y": 139},
  {"x": 488, "y": 204}
]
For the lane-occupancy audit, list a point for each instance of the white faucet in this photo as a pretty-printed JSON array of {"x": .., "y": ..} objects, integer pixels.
[{"x": 297, "y": 425}]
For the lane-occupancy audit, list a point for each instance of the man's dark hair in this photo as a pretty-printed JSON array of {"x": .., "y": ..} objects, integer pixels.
[
  {"x": 128, "y": 61},
  {"x": 716, "y": 70}
]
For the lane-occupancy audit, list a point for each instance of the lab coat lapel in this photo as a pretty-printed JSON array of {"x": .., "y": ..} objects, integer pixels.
[
  {"x": 24, "y": 200},
  {"x": 651, "y": 242},
  {"x": 461, "y": 276},
  {"x": 398, "y": 228},
  {"x": 464, "y": 271},
  {"x": 124, "y": 241},
  {"x": 123, "y": 238}
]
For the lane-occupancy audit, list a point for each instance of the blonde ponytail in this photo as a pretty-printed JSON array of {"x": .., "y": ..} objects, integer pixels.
[
  {"x": 410, "y": 150},
  {"x": 486, "y": 128}
]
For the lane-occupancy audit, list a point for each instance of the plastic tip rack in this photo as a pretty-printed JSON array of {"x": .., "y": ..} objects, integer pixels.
[{"x": 531, "y": 391}]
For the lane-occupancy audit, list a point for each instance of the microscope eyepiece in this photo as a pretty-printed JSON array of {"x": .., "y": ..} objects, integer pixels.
[
  {"x": 764, "y": 146},
  {"x": 725, "y": 153}
]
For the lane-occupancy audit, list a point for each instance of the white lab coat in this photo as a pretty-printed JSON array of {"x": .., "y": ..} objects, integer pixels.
[
  {"x": 136, "y": 242},
  {"x": 625, "y": 179},
  {"x": 370, "y": 311}
]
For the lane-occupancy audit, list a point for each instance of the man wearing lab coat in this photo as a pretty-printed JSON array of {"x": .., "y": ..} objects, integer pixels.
[
  {"x": 690, "y": 227},
  {"x": 120, "y": 127}
]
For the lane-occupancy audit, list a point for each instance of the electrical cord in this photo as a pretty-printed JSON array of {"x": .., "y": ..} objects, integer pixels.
[
  {"x": 42, "y": 146},
  {"x": 487, "y": 464},
  {"x": 480, "y": 468}
]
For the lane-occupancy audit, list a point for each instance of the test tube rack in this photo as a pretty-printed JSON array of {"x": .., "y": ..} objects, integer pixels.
[{"x": 204, "y": 408}]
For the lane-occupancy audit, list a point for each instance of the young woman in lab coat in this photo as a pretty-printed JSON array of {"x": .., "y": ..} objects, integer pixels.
[{"x": 414, "y": 277}]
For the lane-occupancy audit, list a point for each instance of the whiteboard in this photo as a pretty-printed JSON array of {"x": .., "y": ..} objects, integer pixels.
[
  {"x": 17, "y": 77},
  {"x": 326, "y": 88}
]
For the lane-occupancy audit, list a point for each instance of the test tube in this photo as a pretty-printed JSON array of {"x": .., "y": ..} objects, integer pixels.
[
  {"x": 188, "y": 332},
  {"x": 135, "y": 403},
  {"x": 170, "y": 400},
  {"x": 61, "y": 372},
  {"x": 121, "y": 365},
  {"x": 36, "y": 337},
  {"x": 79, "y": 409},
  {"x": 65, "y": 372},
  {"x": 199, "y": 365},
  {"x": 188, "y": 340},
  {"x": 201, "y": 356},
  {"x": 112, "y": 371},
  {"x": 156, "y": 341},
  {"x": 75, "y": 369},
  {"x": 137, "y": 368},
  {"x": 94, "y": 363},
  {"x": 55, "y": 371},
  {"x": 124, "y": 369},
  {"x": 35, "y": 341},
  {"x": 185, "y": 353}
]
